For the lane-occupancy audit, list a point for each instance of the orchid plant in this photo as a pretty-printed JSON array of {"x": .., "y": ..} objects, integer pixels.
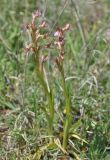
[{"x": 39, "y": 42}]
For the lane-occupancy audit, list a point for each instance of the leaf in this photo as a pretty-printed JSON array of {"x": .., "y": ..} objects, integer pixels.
[
  {"x": 41, "y": 150},
  {"x": 57, "y": 142},
  {"x": 75, "y": 126},
  {"x": 79, "y": 138},
  {"x": 76, "y": 156},
  {"x": 9, "y": 105},
  {"x": 37, "y": 156}
]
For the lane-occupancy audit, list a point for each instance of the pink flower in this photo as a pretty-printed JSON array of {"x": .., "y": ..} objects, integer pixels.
[
  {"x": 59, "y": 32},
  {"x": 36, "y": 14},
  {"x": 43, "y": 24},
  {"x": 67, "y": 27}
]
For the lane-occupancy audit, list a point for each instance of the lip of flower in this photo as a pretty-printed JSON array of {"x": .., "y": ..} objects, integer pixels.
[
  {"x": 42, "y": 25},
  {"x": 39, "y": 36},
  {"x": 57, "y": 34},
  {"x": 60, "y": 31},
  {"x": 28, "y": 47},
  {"x": 67, "y": 27}
]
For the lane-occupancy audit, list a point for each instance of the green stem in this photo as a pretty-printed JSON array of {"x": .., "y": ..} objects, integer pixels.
[
  {"x": 51, "y": 112},
  {"x": 49, "y": 95},
  {"x": 68, "y": 113},
  {"x": 41, "y": 77}
]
